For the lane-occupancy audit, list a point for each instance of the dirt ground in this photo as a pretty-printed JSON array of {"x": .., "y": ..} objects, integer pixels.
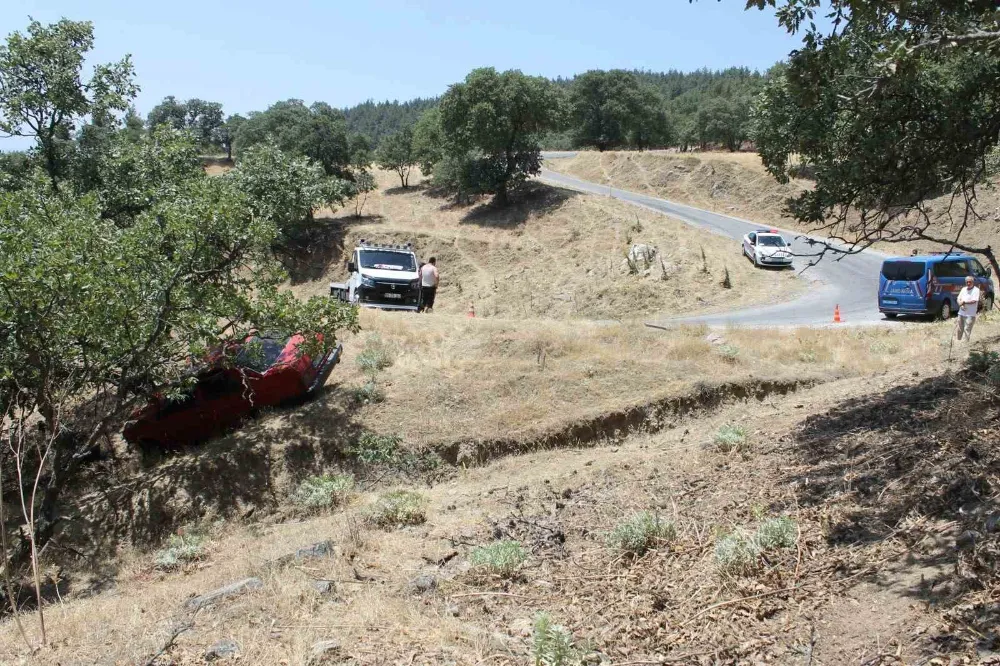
[{"x": 737, "y": 184}]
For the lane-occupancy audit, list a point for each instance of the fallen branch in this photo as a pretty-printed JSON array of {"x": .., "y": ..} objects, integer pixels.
[
  {"x": 178, "y": 630},
  {"x": 739, "y": 600}
]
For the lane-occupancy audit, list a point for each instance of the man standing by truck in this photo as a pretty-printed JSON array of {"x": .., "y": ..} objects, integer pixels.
[
  {"x": 428, "y": 284},
  {"x": 968, "y": 308}
]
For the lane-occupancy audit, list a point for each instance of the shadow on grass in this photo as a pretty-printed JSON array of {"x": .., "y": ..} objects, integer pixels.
[
  {"x": 919, "y": 465},
  {"x": 309, "y": 256},
  {"x": 422, "y": 186},
  {"x": 533, "y": 198}
]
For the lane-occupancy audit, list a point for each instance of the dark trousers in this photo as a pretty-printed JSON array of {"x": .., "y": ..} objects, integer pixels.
[{"x": 427, "y": 297}]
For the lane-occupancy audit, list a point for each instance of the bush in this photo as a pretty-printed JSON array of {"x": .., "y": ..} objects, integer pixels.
[
  {"x": 502, "y": 558},
  {"x": 373, "y": 449},
  {"x": 397, "y": 509},
  {"x": 553, "y": 644},
  {"x": 640, "y": 533},
  {"x": 780, "y": 532},
  {"x": 731, "y": 438},
  {"x": 737, "y": 554},
  {"x": 181, "y": 549},
  {"x": 730, "y": 353},
  {"x": 375, "y": 357},
  {"x": 323, "y": 492},
  {"x": 987, "y": 364},
  {"x": 369, "y": 393},
  {"x": 883, "y": 347}
]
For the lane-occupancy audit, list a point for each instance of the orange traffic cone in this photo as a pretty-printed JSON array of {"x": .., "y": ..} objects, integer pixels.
[
  {"x": 836, "y": 314},
  {"x": 472, "y": 310}
]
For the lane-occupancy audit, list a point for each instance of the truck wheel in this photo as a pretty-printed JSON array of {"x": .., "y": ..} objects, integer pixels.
[{"x": 945, "y": 313}]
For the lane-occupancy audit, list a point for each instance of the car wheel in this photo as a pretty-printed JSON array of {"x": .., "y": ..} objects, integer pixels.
[
  {"x": 754, "y": 260},
  {"x": 945, "y": 313},
  {"x": 891, "y": 315}
]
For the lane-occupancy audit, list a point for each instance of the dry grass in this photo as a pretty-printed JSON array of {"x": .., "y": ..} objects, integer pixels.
[
  {"x": 617, "y": 607},
  {"x": 737, "y": 184},
  {"x": 554, "y": 254}
]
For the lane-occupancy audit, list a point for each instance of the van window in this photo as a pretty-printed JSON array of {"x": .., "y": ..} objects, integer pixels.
[
  {"x": 903, "y": 270},
  {"x": 951, "y": 269}
]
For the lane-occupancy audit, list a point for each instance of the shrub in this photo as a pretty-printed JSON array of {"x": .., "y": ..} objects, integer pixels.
[
  {"x": 987, "y": 364},
  {"x": 373, "y": 449},
  {"x": 323, "y": 492},
  {"x": 376, "y": 356},
  {"x": 737, "y": 554},
  {"x": 396, "y": 509},
  {"x": 731, "y": 438},
  {"x": 553, "y": 644},
  {"x": 780, "y": 532},
  {"x": 883, "y": 347},
  {"x": 502, "y": 558},
  {"x": 808, "y": 356},
  {"x": 729, "y": 352},
  {"x": 640, "y": 533},
  {"x": 369, "y": 393},
  {"x": 181, "y": 549}
]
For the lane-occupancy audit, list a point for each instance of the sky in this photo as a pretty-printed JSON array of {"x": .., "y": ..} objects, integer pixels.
[{"x": 252, "y": 53}]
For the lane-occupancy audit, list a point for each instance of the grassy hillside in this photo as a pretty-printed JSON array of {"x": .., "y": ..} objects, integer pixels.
[
  {"x": 552, "y": 422},
  {"x": 554, "y": 254},
  {"x": 738, "y": 184}
]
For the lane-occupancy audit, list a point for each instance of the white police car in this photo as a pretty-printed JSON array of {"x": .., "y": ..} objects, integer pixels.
[{"x": 766, "y": 247}]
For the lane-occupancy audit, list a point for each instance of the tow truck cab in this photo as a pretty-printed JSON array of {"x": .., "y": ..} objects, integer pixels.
[{"x": 381, "y": 276}]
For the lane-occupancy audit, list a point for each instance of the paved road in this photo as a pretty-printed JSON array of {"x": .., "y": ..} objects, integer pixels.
[{"x": 848, "y": 280}]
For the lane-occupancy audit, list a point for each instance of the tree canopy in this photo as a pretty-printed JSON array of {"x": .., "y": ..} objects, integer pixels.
[
  {"x": 116, "y": 272},
  {"x": 610, "y": 109},
  {"x": 43, "y": 95},
  {"x": 318, "y": 131},
  {"x": 895, "y": 105},
  {"x": 499, "y": 118},
  {"x": 395, "y": 153}
]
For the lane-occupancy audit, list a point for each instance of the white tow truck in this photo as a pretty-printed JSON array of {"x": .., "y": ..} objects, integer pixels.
[{"x": 381, "y": 276}]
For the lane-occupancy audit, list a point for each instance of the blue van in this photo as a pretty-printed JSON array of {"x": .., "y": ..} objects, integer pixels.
[{"x": 929, "y": 284}]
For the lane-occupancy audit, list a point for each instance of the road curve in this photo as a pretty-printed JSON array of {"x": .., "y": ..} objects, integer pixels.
[{"x": 847, "y": 280}]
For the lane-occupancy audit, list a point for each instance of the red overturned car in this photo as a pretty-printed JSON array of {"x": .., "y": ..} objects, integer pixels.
[{"x": 263, "y": 371}]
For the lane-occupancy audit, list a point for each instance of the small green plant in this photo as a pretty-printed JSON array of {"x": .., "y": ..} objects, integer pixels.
[
  {"x": 181, "y": 548},
  {"x": 985, "y": 363},
  {"x": 369, "y": 393},
  {"x": 373, "y": 449},
  {"x": 737, "y": 554},
  {"x": 728, "y": 352},
  {"x": 552, "y": 643},
  {"x": 641, "y": 533},
  {"x": 731, "y": 438},
  {"x": 887, "y": 347},
  {"x": 808, "y": 356},
  {"x": 502, "y": 558},
  {"x": 375, "y": 357},
  {"x": 397, "y": 509},
  {"x": 323, "y": 492},
  {"x": 779, "y": 532}
]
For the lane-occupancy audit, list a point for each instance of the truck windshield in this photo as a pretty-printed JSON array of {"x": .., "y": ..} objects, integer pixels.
[
  {"x": 388, "y": 260},
  {"x": 771, "y": 241},
  {"x": 903, "y": 270}
]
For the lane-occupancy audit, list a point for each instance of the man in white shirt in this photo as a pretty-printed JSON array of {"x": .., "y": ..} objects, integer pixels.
[
  {"x": 428, "y": 284},
  {"x": 968, "y": 308}
]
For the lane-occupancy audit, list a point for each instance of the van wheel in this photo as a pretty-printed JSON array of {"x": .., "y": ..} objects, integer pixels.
[
  {"x": 945, "y": 313},
  {"x": 989, "y": 304},
  {"x": 891, "y": 315}
]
